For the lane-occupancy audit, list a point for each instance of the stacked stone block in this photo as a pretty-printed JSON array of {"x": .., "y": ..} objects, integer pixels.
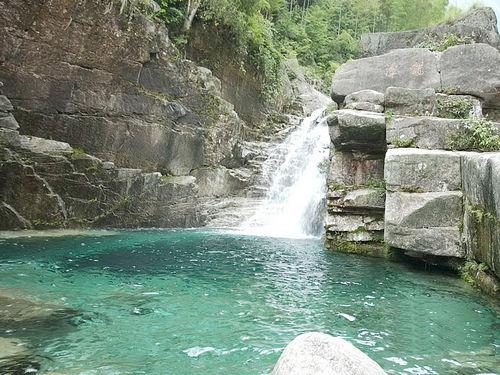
[{"x": 356, "y": 195}]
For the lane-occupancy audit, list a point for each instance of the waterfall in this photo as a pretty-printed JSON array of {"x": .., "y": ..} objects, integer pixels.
[{"x": 294, "y": 205}]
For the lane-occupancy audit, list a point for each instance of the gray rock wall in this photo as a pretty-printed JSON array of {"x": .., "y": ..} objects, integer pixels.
[
  {"x": 479, "y": 27},
  {"x": 441, "y": 199},
  {"x": 113, "y": 85}
]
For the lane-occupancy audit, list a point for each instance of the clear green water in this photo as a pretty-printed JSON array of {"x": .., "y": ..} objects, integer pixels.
[{"x": 197, "y": 302}]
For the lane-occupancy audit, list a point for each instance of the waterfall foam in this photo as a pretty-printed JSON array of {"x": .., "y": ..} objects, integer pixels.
[{"x": 294, "y": 205}]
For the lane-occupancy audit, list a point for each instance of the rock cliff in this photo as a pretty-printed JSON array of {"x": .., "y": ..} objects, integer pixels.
[
  {"x": 440, "y": 128},
  {"x": 103, "y": 123}
]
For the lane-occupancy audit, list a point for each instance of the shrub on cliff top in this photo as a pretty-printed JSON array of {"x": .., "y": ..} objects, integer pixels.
[{"x": 479, "y": 135}]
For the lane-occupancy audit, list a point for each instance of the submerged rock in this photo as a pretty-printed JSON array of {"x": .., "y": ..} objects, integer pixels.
[
  {"x": 15, "y": 358},
  {"x": 18, "y": 310},
  {"x": 317, "y": 353}
]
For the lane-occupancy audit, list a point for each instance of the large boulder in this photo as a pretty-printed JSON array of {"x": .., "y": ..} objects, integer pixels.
[
  {"x": 415, "y": 170},
  {"x": 481, "y": 184},
  {"x": 357, "y": 131},
  {"x": 403, "y": 101},
  {"x": 472, "y": 69},
  {"x": 479, "y": 26},
  {"x": 317, "y": 353},
  {"x": 414, "y": 68},
  {"x": 424, "y": 132},
  {"x": 426, "y": 223}
]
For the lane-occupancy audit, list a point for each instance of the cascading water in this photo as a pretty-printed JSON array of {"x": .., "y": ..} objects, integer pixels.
[{"x": 294, "y": 205}]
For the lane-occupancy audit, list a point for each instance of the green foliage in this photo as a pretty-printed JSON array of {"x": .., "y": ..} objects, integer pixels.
[
  {"x": 322, "y": 34},
  {"x": 375, "y": 183},
  {"x": 448, "y": 40},
  {"x": 469, "y": 271},
  {"x": 403, "y": 143},
  {"x": 77, "y": 152},
  {"x": 389, "y": 115},
  {"x": 411, "y": 189},
  {"x": 456, "y": 107},
  {"x": 479, "y": 135},
  {"x": 480, "y": 214}
]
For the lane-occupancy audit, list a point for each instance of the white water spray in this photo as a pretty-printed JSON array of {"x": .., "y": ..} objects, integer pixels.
[{"x": 294, "y": 206}]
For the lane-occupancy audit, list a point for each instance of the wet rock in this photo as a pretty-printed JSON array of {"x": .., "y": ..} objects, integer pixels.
[
  {"x": 479, "y": 26},
  {"x": 357, "y": 131},
  {"x": 425, "y": 222},
  {"x": 45, "y": 185},
  {"x": 15, "y": 358},
  {"x": 354, "y": 169},
  {"x": 413, "y": 68},
  {"x": 360, "y": 199},
  {"x": 353, "y": 223},
  {"x": 317, "y": 353},
  {"x": 19, "y": 311},
  {"x": 416, "y": 170},
  {"x": 472, "y": 69},
  {"x": 405, "y": 101},
  {"x": 217, "y": 182}
]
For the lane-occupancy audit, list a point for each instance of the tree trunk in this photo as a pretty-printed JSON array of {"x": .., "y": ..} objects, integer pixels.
[{"x": 192, "y": 8}]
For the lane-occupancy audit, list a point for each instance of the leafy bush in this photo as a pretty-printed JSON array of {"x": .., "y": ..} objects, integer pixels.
[
  {"x": 447, "y": 41},
  {"x": 456, "y": 107},
  {"x": 479, "y": 135}
]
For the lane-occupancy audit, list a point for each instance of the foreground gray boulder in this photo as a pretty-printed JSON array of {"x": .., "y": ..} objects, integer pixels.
[{"x": 317, "y": 353}]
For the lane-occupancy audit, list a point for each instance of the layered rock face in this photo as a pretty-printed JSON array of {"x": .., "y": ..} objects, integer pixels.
[
  {"x": 479, "y": 27},
  {"x": 356, "y": 196},
  {"x": 112, "y": 85},
  {"x": 441, "y": 194},
  {"x": 113, "y": 127}
]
